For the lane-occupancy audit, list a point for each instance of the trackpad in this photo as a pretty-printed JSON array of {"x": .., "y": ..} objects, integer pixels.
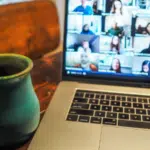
[{"x": 118, "y": 138}]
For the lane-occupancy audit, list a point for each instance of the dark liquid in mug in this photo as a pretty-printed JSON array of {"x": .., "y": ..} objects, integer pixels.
[{"x": 7, "y": 70}]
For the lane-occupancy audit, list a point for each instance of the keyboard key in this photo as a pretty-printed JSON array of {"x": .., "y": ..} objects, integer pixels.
[
  {"x": 148, "y": 112},
  {"x": 109, "y": 121},
  {"x": 141, "y": 111},
  {"x": 80, "y": 100},
  {"x": 118, "y": 109},
  {"x": 126, "y": 104},
  {"x": 80, "y": 106},
  {"x": 72, "y": 117},
  {"x": 123, "y": 98},
  {"x": 118, "y": 98},
  {"x": 129, "y": 110},
  {"x": 135, "y": 117},
  {"x": 106, "y": 108},
  {"x": 81, "y": 112},
  {"x": 111, "y": 115},
  {"x": 134, "y": 99},
  {"x": 100, "y": 114},
  {"x": 115, "y": 103},
  {"x": 95, "y": 107},
  {"x": 102, "y": 97},
  {"x": 97, "y": 96},
  {"x": 131, "y": 99},
  {"x": 147, "y": 106},
  {"x": 112, "y": 97},
  {"x": 79, "y": 94},
  {"x": 134, "y": 124},
  {"x": 107, "y": 97},
  {"x": 146, "y": 118},
  {"x": 104, "y": 102},
  {"x": 137, "y": 105},
  {"x": 89, "y": 95},
  {"x": 84, "y": 119},
  {"x": 93, "y": 101},
  {"x": 142, "y": 100},
  {"x": 123, "y": 116},
  {"x": 96, "y": 120}
]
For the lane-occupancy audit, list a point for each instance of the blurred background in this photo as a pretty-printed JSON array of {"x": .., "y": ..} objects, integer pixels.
[{"x": 60, "y": 7}]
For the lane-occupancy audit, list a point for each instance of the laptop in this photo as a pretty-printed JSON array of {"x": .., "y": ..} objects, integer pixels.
[{"x": 103, "y": 100}]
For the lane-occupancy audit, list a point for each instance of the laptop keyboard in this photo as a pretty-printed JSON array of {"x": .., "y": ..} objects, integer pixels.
[{"x": 110, "y": 109}]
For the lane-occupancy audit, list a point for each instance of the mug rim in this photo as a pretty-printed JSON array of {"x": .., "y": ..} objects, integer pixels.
[{"x": 21, "y": 73}]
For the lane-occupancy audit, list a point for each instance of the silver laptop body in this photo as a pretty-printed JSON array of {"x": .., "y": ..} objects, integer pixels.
[{"x": 103, "y": 100}]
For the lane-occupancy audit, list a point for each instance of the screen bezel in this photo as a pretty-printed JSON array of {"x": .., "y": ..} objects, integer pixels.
[{"x": 114, "y": 80}]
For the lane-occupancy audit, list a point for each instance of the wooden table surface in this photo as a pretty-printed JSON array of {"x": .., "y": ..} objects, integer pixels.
[{"x": 46, "y": 75}]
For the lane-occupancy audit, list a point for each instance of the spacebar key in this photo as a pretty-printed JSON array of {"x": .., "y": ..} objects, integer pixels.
[
  {"x": 134, "y": 124},
  {"x": 81, "y": 112}
]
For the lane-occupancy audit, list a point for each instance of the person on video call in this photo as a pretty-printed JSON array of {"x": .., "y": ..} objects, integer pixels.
[
  {"x": 84, "y": 8},
  {"x": 146, "y": 50},
  {"x": 85, "y": 63},
  {"x": 117, "y": 7},
  {"x": 143, "y": 30},
  {"x": 145, "y": 66},
  {"x": 85, "y": 47},
  {"x": 115, "y": 44},
  {"x": 116, "y": 65},
  {"x": 121, "y": 14},
  {"x": 115, "y": 30},
  {"x": 86, "y": 30},
  {"x": 95, "y": 9}
]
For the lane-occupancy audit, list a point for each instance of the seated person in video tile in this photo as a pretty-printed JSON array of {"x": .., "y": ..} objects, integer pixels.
[
  {"x": 145, "y": 66},
  {"x": 146, "y": 50},
  {"x": 115, "y": 30},
  {"x": 116, "y": 65},
  {"x": 121, "y": 13},
  {"x": 141, "y": 65},
  {"x": 84, "y": 8},
  {"x": 85, "y": 47},
  {"x": 86, "y": 30},
  {"x": 143, "y": 30},
  {"x": 115, "y": 44},
  {"x": 85, "y": 63},
  {"x": 95, "y": 9},
  {"x": 140, "y": 30}
]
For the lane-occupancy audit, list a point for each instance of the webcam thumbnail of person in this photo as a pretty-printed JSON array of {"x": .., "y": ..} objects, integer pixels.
[
  {"x": 82, "y": 61},
  {"x": 84, "y": 24},
  {"x": 82, "y": 42},
  {"x": 85, "y": 7},
  {"x": 142, "y": 24},
  {"x": 115, "y": 64},
  {"x": 141, "y": 65},
  {"x": 141, "y": 44},
  {"x": 113, "y": 44}
]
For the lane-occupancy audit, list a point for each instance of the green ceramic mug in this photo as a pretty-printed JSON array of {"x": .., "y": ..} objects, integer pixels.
[{"x": 19, "y": 105}]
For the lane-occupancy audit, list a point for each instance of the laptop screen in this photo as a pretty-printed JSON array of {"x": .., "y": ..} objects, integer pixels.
[{"x": 108, "y": 38}]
